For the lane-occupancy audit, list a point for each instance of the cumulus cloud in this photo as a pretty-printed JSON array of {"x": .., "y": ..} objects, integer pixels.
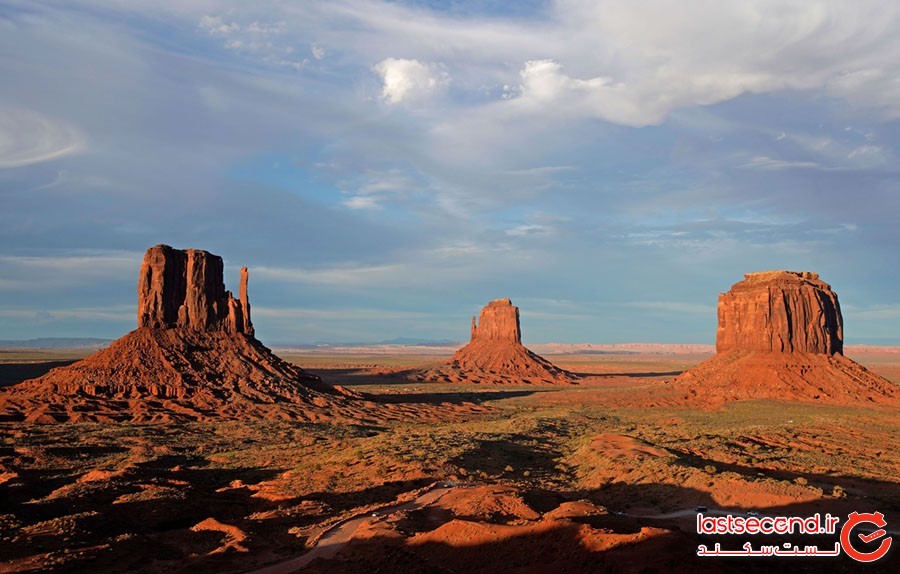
[
  {"x": 28, "y": 137},
  {"x": 408, "y": 80},
  {"x": 189, "y": 105},
  {"x": 625, "y": 62}
]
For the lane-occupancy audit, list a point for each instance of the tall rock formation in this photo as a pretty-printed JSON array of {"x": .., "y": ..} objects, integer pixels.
[
  {"x": 185, "y": 288},
  {"x": 780, "y": 312},
  {"x": 495, "y": 354},
  {"x": 499, "y": 323},
  {"x": 780, "y": 336},
  {"x": 193, "y": 356}
]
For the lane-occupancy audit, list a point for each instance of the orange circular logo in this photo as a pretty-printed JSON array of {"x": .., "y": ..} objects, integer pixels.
[{"x": 855, "y": 519}]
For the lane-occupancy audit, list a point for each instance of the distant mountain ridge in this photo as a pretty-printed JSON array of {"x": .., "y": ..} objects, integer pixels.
[{"x": 56, "y": 343}]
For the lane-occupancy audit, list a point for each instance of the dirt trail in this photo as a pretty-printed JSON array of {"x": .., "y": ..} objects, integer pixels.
[{"x": 332, "y": 540}]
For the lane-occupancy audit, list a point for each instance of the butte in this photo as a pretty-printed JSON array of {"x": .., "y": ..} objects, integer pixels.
[
  {"x": 495, "y": 354},
  {"x": 194, "y": 356},
  {"x": 781, "y": 336}
]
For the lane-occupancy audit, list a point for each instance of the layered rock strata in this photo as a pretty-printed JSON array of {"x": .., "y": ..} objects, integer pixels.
[
  {"x": 193, "y": 356},
  {"x": 780, "y": 312},
  {"x": 780, "y": 336},
  {"x": 185, "y": 288}
]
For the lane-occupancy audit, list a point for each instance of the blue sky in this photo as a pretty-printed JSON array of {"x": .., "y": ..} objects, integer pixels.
[{"x": 386, "y": 168}]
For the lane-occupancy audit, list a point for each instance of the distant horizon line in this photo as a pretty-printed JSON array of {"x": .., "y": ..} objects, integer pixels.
[{"x": 81, "y": 342}]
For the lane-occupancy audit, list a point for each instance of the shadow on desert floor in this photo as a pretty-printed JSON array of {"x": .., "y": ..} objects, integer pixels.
[
  {"x": 421, "y": 542},
  {"x": 636, "y": 375},
  {"x": 13, "y": 373},
  {"x": 474, "y": 397}
]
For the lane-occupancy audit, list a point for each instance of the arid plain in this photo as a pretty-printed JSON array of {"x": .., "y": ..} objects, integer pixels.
[
  {"x": 189, "y": 446},
  {"x": 538, "y": 475}
]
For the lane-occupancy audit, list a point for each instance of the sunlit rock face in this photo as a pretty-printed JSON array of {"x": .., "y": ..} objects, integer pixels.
[
  {"x": 780, "y": 312},
  {"x": 185, "y": 288}
]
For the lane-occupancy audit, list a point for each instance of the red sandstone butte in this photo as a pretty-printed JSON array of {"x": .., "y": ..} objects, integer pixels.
[
  {"x": 185, "y": 288},
  {"x": 499, "y": 323},
  {"x": 495, "y": 354},
  {"x": 780, "y": 311},
  {"x": 781, "y": 336},
  {"x": 193, "y": 356}
]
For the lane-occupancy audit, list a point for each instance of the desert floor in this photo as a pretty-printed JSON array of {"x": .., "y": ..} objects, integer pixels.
[{"x": 495, "y": 479}]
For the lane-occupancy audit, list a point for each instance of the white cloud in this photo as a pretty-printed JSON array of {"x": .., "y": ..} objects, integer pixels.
[
  {"x": 625, "y": 62},
  {"x": 530, "y": 230},
  {"x": 337, "y": 314},
  {"x": 408, "y": 80},
  {"x": 49, "y": 272},
  {"x": 868, "y": 154},
  {"x": 264, "y": 41},
  {"x": 426, "y": 267},
  {"x": 362, "y": 202},
  {"x": 28, "y": 137},
  {"x": 344, "y": 276},
  {"x": 216, "y": 26},
  {"x": 377, "y": 186},
  {"x": 882, "y": 312},
  {"x": 768, "y": 163}
]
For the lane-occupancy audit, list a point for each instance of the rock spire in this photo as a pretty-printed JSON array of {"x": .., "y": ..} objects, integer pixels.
[{"x": 185, "y": 288}]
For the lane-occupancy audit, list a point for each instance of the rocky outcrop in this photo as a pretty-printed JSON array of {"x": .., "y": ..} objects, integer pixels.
[
  {"x": 780, "y": 336},
  {"x": 499, "y": 322},
  {"x": 185, "y": 289},
  {"x": 193, "y": 356},
  {"x": 781, "y": 312},
  {"x": 495, "y": 354}
]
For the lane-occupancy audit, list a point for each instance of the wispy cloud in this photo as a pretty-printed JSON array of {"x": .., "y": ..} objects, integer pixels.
[
  {"x": 28, "y": 137},
  {"x": 115, "y": 313},
  {"x": 342, "y": 314},
  {"x": 763, "y": 162},
  {"x": 338, "y": 276},
  {"x": 43, "y": 273},
  {"x": 444, "y": 153},
  {"x": 883, "y": 312},
  {"x": 530, "y": 230}
]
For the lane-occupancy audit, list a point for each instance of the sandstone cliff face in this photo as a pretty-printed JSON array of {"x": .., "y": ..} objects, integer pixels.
[
  {"x": 780, "y": 336},
  {"x": 781, "y": 312},
  {"x": 499, "y": 321},
  {"x": 192, "y": 357},
  {"x": 185, "y": 288}
]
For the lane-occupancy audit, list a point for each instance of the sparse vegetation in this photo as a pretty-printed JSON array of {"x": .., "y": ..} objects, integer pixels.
[{"x": 282, "y": 481}]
